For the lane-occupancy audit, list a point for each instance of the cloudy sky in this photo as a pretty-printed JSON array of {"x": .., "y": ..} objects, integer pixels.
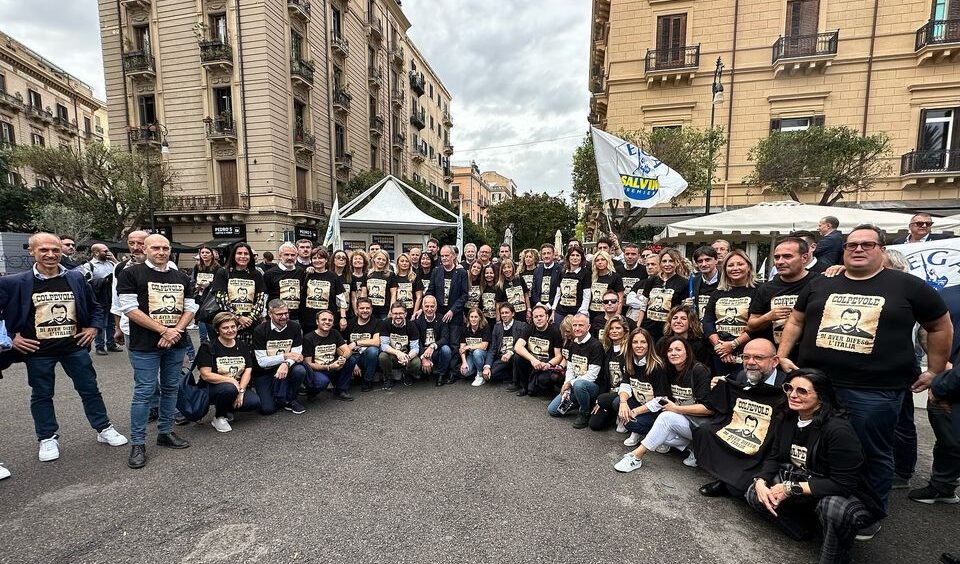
[{"x": 517, "y": 73}]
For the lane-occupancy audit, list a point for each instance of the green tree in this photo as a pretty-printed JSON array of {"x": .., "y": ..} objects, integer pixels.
[
  {"x": 115, "y": 189},
  {"x": 831, "y": 163},
  {"x": 533, "y": 219},
  {"x": 14, "y": 200},
  {"x": 358, "y": 184},
  {"x": 690, "y": 151}
]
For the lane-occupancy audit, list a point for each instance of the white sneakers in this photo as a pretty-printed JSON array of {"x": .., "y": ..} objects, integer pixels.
[
  {"x": 221, "y": 424},
  {"x": 690, "y": 460},
  {"x": 633, "y": 440},
  {"x": 478, "y": 381},
  {"x": 49, "y": 450},
  {"x": 620, "y": 428},
  {"x": 628, "y": 463},
  {"x": 111, "y": 437},
  {"x": 4, "y": 473}
]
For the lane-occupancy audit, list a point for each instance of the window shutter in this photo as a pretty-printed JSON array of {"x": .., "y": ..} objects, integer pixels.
[
  {"x": 923, "y": 122},
  {"x": 775, "y": 125},
  {"x": 954, "y": 9},
  {"x": 817, "y": 121}
]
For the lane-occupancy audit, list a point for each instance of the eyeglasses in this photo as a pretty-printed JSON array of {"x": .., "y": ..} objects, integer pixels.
[
  {"x": 866, "y": 245},
  {"x": 789, "y": 389},
  {"x": 756, "y": 357},
  {"x": 922, "y": 223},
  {"x": 608, "y": 302},
  {"x": 284, "y": 314}
]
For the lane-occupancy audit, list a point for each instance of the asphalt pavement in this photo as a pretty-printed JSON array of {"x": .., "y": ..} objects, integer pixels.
[{"x": 417, "y": 474}]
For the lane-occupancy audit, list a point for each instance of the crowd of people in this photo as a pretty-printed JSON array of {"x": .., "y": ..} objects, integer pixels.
[{"x": 795, "y": 394}]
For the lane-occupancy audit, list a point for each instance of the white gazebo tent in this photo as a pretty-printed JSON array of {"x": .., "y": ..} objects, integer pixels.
[
  {"x": 768, "y": 221},
  {"x": 385, "y": 214}
]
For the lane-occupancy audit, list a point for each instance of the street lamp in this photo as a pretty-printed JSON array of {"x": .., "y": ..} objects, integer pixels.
[{"x": 717, "y": 99}]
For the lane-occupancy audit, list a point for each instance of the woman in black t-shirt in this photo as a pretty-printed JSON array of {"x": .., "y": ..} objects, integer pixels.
[
  {"x": 645, "y": 383},
  {"x": 202, "y": 276},
  {"x": 473, "y": 287},
  {"x": 615, "y": 341},
  {"x": 424, "y": 270},
  {"x": 357, "y": 278},
  {"x": 684, "y": 409},
  {"x": 661, "y": 292},
  {"x": 322, "y": 291},
  {"x": 685, "y": 323},
  {"x": 473, "y": 346},
  {"x": 488, "y": 294},
  {"x": 405, "y": 286},
  {"x": 574, "y": 293},
  {"x": 226, "y": 366},
  {"x": 339, "y": 266},
  {"x": 603, "y": 279},
  {"x": 513, "y": 290},
  {"x": 529, "y": 259},
  {"x": 378, "y": 284},
  {"x": 239, "y": 289},
  {"x": 813, "y": 473},
  {"x": 725, "y": 318}
]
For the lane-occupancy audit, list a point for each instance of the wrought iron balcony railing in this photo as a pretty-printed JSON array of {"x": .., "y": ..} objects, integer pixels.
[
  {"x": 668, "y": 59},
  {"x": 813, "y": 45},
  {"x": 930, "y": 161},
  {"x": 936, "y": 32}
]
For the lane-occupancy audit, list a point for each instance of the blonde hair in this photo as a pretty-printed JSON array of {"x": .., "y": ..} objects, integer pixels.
[
  {"x": 373, "y": 267},
  {"x": 221, "y": 318},
  {"x": 411, "y": 274},
  {"x": 602, "y": 255},
  {"x": 724, "y": 283}
]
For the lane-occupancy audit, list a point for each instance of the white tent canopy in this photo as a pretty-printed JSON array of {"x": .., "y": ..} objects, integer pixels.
[
  {"x": 391, "y": 209},
  {"x": 770, "y": 219}
]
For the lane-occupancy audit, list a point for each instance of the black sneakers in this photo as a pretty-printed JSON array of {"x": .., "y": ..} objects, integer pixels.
[{"x": 929, "y": 495}]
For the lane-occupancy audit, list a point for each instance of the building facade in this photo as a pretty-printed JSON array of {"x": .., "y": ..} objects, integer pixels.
[
  {"x": 470, "y": 193},
  {"x": 501, "y": 187},
  {"x": 874, "y": 66},
  {"x": 42, "y": 104},
  {"x": 263, "y": 109}
]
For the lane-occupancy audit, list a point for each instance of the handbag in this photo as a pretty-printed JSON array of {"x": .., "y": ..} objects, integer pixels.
[
  {"x": 193, "y": 401},
  {"x": 209, "y": 308}
]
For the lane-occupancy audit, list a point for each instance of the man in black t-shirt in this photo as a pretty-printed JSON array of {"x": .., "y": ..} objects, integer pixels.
[
  {"x": 500, "y": 363},
  {"x": 363, "y": 338},
  {"x": 774, "y": 300},
  {"x": 399, "y": 347},
  {"x": 870, "y": 359},
  {"x": 278, "y": 347},
  {"x": 611, "y": 309},
  {"x": 145, "y": 292},
  {"x": 540, "y": 361},
  {"x": 52, "y": 316},
  {"x": 435, "y": 349},
  {"x": 329, "y": 357},
  {"x": 581, "y": 381},
  {"x": 705, "y": 281},
  {"x": 285, "y": 280},
  {"x": 631, "y": 270}
]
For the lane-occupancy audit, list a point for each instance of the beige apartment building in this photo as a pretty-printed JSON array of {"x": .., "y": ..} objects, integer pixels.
[
  {"x": 501, "y": 187},
  {"x": 470, "y": 192},
  {"x": 264, "y": 109},
  {"x": 42, "y": 104},
  {"x": 872, "y": 65}
]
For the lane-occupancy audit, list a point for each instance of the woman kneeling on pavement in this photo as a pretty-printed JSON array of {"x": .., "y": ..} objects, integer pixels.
[
  {"x": 814, "y": 471},
  {"x": 615, "y": 342},
  {"x": 646, "y": 382},
  {"x": 226, "y": 365},
  {"x": 690, "y": 384}
]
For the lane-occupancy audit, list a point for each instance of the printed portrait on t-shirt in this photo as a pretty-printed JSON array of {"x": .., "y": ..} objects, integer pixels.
[
  {"x": 232, "y": 366},
  {"x": 658, "y": 307},
  {"x": 596, "y": 295},
  {"x": 568, "y": 292},
  {"x": 703, "y": 300},
  {"x": 473, "y": 341},
  {"x": 642, "y": 391},
  {"x": 405, "y": 294},
  {"x": 489, "y": 305},
  {"x": 428, "y": 337},
  {"x": 325, "y": 354},
  {"x": 732, "y": 315},
  {"x": 515, "y": 298},
  {"x": 788, "y": 300},
  {"x": 473, "y": 297},
  {"x": 279, "y": 346},
  {"x": 426, "y": 285},
  {"x": 318, "y": 294},
  {"x": 545, "y": 289},
  {"x": 681, "y": 395},
  {"x": 798, "y": 456},
  {"x": 849, "y": 322},
  {"x": 204, "y": 278},
  {"x": 616, "y": 373},
  {"x": 446, "y": 291},
  {"x": 506, "y": 345},
  {"x": 240, "y": 294},
  {"x": 165, "y": 302},
  {"x": 377, "y": 291},
  {"x": 400, "y": 341},
  {"x": 748, "y": 427},
  {"x": 540, "y": 348},
  {"x": 55, "y": 315},
  {"x": 579, "y": 363},
  {"x": 290, "y": 293}
]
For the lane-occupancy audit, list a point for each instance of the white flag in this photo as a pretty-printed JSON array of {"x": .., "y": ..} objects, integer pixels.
[
  {"x": 333, "y": 227},
  {"x": 934, "y": 261},
  {"x": 630, "y": 174},
  {"x": 459, "y": 235}
]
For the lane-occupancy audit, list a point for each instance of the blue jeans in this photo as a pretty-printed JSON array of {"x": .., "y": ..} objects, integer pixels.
[
  {"x": 104, "y": 338},
  {"x": 905, "y": 440},
  {"x": 153, "y": 370},
  {"x": 223, "y": 396},
  {"x": 368, "y": 362},
  {"x": 202, "y": 331},
  {"x": 42, "y": 378},
  {"x": 340, "y": 378},
  {"x": 266, "y": 386},
  {"x": 874, "y": 415},
  {"x": 475, "y": 360},
  {"x": 441, "y": 361},
  {"x": 642, "y": 423},
  {"x": 945, "y": 473},
  {"x": 583, "y": 393}
]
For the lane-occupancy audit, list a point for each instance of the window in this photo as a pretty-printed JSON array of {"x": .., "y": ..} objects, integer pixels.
[
  {"x": 796, "y": 124},
  {"x": 37, "y": 140},
  {"x": 671, "y": 39},
  {"x": 3, "y": 83},
  {"x": 148, "y": 109},
  {"x": 299, "y": 113},
  {"x": 340, "y": 140},
  {"x": 218, "y": 27},
  {"x": 6, "y": 134},
  {"x": 223, "y": 101},
  {"x": 87, "y": 126},
  {"x": 665, "y": 127},
  {"x": 337, "y": 22},
  {"x": 33, "y": 97},
  {"x": 431, "y": 92},
  {"x": 296, "y": 46},
  {"x": 372, "y": 102},
  {"x": 802, "y": 17},
  {"x": 62, "y": 112},
  {"x": 374, "y": 155},
  {"x": 938, "y": 138},
  {"x": 337, "y": 77},
  {"x": 141, "y": 38}
]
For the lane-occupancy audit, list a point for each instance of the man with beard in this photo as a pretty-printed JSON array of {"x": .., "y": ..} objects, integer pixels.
[
  {"x": 285, "y": 280},
  {"x": 363, "y": 337},
  {"x": 747, "y": 407},
  {"x": 500, "y": 364},
  {"x": 540, "y": 357},
  {"x": 435, "y": 349}
]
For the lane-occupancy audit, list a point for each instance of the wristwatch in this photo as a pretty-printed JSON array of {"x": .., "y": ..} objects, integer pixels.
[{"x": 792, "y": 488}]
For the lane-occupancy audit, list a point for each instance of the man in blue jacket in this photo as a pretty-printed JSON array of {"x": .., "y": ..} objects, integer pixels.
[
  {"x": 449, "y": 285},
  {"x": 830, "y": 247},
  {"x": 52, "y": 316}
]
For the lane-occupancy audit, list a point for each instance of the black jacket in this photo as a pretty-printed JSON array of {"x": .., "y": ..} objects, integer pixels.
[
  {"x": 830, "y": 249},
  {"x": 518, "y": 329},
  {"x": 931, "y": 237}
]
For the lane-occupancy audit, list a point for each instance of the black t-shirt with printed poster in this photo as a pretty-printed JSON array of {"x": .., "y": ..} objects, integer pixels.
[
  {"x": 53, "y": 318},
  {"x": 224, "y": 360},
  {"x": 582, "y": 355},
  {"x": 476, "y": 336},
  {"x": 513, "y": 293},
  {"x": 356, "y": 332},
  {"x": 287, "y": 285},
  {"x": 611, "y": 282},
  {"x": 645, "y": 387},
  {"x": 400, "y": 337},
  {"x": 572, "y": 285},
  {"x": 662, "y": 296},
  {"x": 322, "y": 349},
  {"x": 860, "y": 332},
  {"x": 320, "y": 291},
  {"x": 776, "y": 293},
  {"x": 630, "y": 276},
  {"x": 242, "y": 288},
  {"x": 378, "y": 292},
  {"x": 727, "y": 312},
  {"x": 488, "y": 304},
  {"x": 276, "y": 342},
  {"x": 691, "y": 387},
  {"x": 542, "y": 343},
  {"x": 406, "y": 291},
  {"x": 614, "y": 368},
  {"x": 160, "y": 295}
]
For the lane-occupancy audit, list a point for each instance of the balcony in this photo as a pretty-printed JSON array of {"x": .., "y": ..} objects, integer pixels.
[
  {"x": 139, "y": 64},
  {"x": 447, "y": 174},
  {"x": 417, "y": 83},
  {"x": 397, "y": 97},
  {"x": 221, "y": 128},
  {"x": 341, "y": 100},
  {"x": 375, "y": 77},
  {"x": 938, "y": 40},
  {"x": 93, "y": 135},
  {"x": 339, "y": 44},
  {"x": 418, "y": 118},
  {"x": 418, "y": 153},
  {"x": 447, "y": 149},
  {"x": 805, "y": 52},
  {"x": 12, "y": 102},
  {"x": 216, "y": 202},
  {"x": 375, "y": 29},
  {"x": 216, "y": 54},
  {"x": 376, "y": 126},
  {"x": 37, "y": 113},
  {"x": 399, "y": 141},
  {"x": 145, "y": 136},
  {"x": 930, "y": 167},
  {"x": 397, "y": 56},
  {"x": 344, "y": 161},
  {"x": 299, "y": 8},
  {"x": 302, "y": 72},
  {"x": 310, "y": 206},
  {"x": 447, "y": 119},
  {"x": 675, "y": 64},
  {"x": 303, "y": 141},
  {"x": 65, "y": 125},
  {"x": 596, "y": 83},
  {"x": 129, "y": 3}
]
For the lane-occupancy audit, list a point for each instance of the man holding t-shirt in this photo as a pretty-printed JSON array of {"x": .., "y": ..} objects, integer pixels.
[
  {"x": 872, "y": 374},
  {"x": 141, "y": 289},
  {"x": 774, "y": 300},
  {"x": 582, "y": 379},
  {"x": 399, "y": 347}
]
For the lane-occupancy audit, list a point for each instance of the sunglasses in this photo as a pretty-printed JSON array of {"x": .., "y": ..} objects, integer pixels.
[
  {"x": 866, "y": 245},
  {"x": 789, "y": 389},
  {"x": 611, "y": 301},
  {"x": 923, "y": 223}
]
